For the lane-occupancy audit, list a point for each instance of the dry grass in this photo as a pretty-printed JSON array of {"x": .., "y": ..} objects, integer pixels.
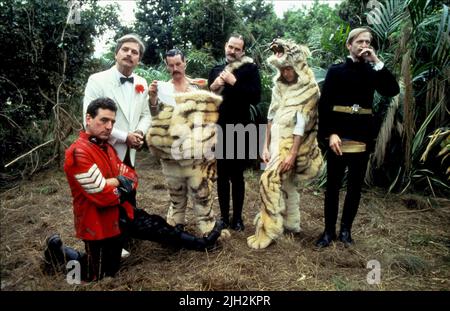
[{"x": 409, "y": 236}]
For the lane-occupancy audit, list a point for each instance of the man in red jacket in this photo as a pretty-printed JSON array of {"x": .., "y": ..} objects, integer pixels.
[{"x": 101, "y": 186}]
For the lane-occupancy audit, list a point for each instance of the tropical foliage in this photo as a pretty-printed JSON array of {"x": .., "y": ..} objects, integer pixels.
[
  {"x": 52, "y": 59},
  {"x": 47, "y": 51}
]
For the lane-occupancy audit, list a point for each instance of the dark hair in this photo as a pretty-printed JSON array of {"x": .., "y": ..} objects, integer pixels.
[
  {"x": 237, "y": 36},
  {"x": 130, "y": 38},
  {"x": 174, "y": 52},
  {"x": 102, "y": 102}
]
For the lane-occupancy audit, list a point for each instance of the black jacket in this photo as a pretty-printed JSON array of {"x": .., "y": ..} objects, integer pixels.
[
  {"x": 347, "y": 84},
  {"x": 237, "y": 99}
]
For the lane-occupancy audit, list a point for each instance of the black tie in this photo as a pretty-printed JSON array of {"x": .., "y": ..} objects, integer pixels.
[{"x": 129, "y": 79}]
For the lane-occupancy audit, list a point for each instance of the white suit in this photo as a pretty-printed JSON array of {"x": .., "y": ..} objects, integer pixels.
[{"x": 133, "y": 112}]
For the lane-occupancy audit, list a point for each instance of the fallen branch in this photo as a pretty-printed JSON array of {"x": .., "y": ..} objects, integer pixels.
[
  {"x": 29, "y": 152},
  {"x": 414, "y": 211}
]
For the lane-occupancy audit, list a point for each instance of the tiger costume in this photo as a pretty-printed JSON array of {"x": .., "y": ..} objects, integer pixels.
[
  {"x": 183, "y": 138},
  {"x": 279, "y": 191}
]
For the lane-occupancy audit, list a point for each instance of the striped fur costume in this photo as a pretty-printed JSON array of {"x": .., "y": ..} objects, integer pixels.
[
  {"x": 183, "y": 137},
  {"x": 279, "y": 193}
]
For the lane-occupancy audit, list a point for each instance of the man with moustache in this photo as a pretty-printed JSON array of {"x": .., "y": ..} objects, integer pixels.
[
  {"x": 129, "y": 91},
  {"x": 190, "y": 125},
  {"x": 239, "y": 83},
  {"x": 347, "y": 123}
]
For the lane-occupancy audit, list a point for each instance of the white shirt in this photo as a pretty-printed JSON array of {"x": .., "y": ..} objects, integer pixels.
[
  {"x": 127, "y": 89},
  {"x": 300, "y": 122}
]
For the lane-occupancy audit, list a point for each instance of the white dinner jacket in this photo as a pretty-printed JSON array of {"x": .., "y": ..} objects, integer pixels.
[{"x": 107, "y": 84}]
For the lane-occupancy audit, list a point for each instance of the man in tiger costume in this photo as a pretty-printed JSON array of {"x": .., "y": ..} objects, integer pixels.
[
  {"x": 291, "y": 150},
  {"x": 183, "y": 136}
]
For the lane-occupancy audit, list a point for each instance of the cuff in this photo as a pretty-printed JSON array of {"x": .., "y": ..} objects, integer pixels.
[
  {"x": 119, "y": 136},
  {"x": 378, "y": 66}
]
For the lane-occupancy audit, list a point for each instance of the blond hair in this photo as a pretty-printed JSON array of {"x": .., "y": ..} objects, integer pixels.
[
  {"x": 130, "y": 38},
  {"x": 355, "y": 33}
]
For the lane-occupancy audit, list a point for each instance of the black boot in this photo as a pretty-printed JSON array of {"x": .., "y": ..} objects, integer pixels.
[
  {"x": 226, "y": 221},
  {"x": 192, "y": 242},
  {"x": 237, "y": 224},
  {"x": 325, "y": 239},
  {"x": 345, "y": 236},
  {"x": 56, "y": 255}
]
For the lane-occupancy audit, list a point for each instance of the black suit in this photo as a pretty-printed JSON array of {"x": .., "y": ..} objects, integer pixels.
[
  {"x": 234, "y": 110},
  {"x": 347, "y": 84}
]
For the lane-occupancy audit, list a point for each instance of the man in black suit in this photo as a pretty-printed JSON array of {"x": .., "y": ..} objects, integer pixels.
[
  {"x": 239, "y": 83},
  {"x": 347, "y": 124}
]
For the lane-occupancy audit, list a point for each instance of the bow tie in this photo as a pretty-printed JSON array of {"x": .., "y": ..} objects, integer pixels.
[{"x": 129, "y": 79}]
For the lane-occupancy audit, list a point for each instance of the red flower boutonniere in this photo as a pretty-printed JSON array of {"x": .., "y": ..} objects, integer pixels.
[{"x": 139, "y": 88}]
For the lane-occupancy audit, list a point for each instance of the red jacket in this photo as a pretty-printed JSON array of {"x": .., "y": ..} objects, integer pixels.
[{"x": 95, "y": 204}]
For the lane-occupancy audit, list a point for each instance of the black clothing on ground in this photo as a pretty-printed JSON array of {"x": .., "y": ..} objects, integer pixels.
[{"x": 102, "y": 257}]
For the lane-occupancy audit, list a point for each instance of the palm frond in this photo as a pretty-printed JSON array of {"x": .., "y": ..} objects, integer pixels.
[{"x": 386, "y": 18}]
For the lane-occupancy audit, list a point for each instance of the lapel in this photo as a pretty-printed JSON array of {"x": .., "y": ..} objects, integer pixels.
[
  {"x": 136, "y": 107},
  {"x": 133, "y": 101},
  {"x": 117, "y": 92}
]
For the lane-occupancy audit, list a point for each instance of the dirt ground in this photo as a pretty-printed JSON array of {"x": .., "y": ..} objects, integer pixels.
[{"x": 408, "y": 235}]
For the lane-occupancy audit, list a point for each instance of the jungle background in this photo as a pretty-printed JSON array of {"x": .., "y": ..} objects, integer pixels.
[{"x": 404, "y": 217}]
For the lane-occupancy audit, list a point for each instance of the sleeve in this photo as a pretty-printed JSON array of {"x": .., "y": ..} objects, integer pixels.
[
  {"x": 249, "y": 83},
  {"x": 385, "y": 82},
  {"x": 92, "y": 91},
  {"x": 212, "y": 76},
  {"x": 89, "y": 179},
  {"x": 299, "y": 128}
]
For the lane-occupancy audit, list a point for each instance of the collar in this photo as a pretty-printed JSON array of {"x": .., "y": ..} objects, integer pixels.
[
  {"x": 120, "y": 75},
  {"x": 92, "y": 139},
  {"x": 350, "y": 59}
]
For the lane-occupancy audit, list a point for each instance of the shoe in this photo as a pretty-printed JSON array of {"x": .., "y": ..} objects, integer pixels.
[
  {"x": 325, "y": 239},
  {"x": 238, "y": 225},
  {"x": 225, "y": 222},
  {"x": 345, "y": 237},
  {"x": 53, "y": 253}
]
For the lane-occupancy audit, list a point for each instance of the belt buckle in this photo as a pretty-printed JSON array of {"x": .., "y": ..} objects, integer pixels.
[{"x": 355, "y": 108}]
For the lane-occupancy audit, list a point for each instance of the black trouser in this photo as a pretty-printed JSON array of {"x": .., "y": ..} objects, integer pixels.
[
  {"x": 356, "y": 164},
  {"x": 127, "y": 161},
  {"x": 231, "y": 171},
  {"x": 102, "y": 258}
]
